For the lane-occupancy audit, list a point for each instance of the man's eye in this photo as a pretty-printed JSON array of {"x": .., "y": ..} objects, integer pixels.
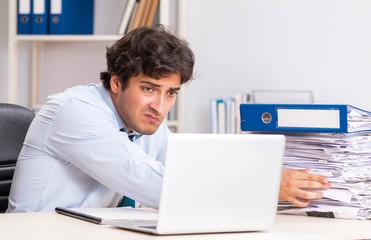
[
  {"x": 147, "y": 89},
  {"x": 173, "y": 93}
]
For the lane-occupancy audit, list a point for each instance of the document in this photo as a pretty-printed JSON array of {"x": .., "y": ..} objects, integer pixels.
[
  {"x": 334, "y": 140},
  {"x": 345, "y": 159},
  {"x": 323, "y": 211},
  {"x": 102, "y": 215}
]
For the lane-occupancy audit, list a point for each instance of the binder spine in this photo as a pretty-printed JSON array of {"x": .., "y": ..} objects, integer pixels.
[
  {"x": 55, "y": 15},
  {"x": 40, "y": 16},
  {"x": 24, "y": 15},
  {"x": 71, "y": 17},
  {"x": 311, "y": 118}
]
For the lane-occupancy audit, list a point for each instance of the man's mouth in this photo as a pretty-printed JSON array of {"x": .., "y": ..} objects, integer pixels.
[{"x": 152, "y": 118}]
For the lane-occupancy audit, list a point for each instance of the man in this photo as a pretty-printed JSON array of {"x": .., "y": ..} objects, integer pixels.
[{"x": 91, "y": 145}]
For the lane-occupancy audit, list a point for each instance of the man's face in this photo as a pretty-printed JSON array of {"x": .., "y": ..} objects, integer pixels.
[{"x": 145, "y": 103}]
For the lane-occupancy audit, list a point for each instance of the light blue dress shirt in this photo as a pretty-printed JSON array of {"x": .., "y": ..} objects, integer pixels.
[{"x": 75, "y": 156}]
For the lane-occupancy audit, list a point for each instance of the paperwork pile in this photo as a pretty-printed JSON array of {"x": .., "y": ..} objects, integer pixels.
[
  {"x": 334, "y": 140},
  {"x": 345, "y": 158}
]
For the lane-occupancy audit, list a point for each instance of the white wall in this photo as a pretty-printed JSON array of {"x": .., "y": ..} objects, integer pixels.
[{"x": 244, "y": 45}]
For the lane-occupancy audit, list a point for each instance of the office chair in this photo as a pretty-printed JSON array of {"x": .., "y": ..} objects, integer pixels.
[{"x": 14, "y": 123}]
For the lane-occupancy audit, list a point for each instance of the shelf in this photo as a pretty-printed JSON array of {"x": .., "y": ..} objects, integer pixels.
[
  {"x": 36, "y": 45},
  {"x": 67, "y": 38}
]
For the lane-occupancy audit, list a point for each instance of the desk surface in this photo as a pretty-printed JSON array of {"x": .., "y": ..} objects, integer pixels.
[{"x": 50, "y": 225}]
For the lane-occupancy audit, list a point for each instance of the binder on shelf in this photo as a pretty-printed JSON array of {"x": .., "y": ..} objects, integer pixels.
[
  {"x": 40, "y": 12},
  {"x": 217, "y": 115},
  {"x": 129, "y": 8},
  {"x": 321, "y": 118},
  {"x": 24, "y": 15},
  {"x": 214, "y": 114},
  {"x": 133, "y": 16},
  {"x": 71, "y": 17},
  {"x": 152, "y": 11},
  {"x": 139, "y": 14},
  {"x": 221, "y": 108},
  {"x": 145, "y": 13},
  {"x": 240, "y": 98},
  {"x": 230, "y": 107},
  {"x": 172, "y": 114}
]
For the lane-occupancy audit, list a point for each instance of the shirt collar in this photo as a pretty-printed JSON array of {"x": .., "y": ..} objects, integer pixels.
[{"x": 136, "y": 135}]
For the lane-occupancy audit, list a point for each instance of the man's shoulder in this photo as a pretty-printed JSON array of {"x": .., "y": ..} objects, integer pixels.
[
  {"x": 84, "y": 91},
  {"x": 86, "y": 94},
  {"x": 79, "y": 99}
]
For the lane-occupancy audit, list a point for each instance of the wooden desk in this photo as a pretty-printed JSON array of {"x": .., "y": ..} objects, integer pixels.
[{"x": 50, "y": 225}]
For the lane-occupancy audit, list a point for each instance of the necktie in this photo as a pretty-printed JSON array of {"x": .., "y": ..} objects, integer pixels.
[{"x": 127, "y": 202}]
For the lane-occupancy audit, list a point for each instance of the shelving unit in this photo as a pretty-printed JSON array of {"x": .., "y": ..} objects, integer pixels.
[{"x": 37, "y": 42}]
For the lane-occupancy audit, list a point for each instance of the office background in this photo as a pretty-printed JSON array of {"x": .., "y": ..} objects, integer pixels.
[
  {"x": 63, "y": 64},
  {"x": 240, "y": 46}
]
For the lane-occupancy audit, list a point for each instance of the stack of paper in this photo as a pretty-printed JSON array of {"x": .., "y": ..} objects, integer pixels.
[
  {"x": 334, "y": 140},
  {"x": 345, "y": 158}
]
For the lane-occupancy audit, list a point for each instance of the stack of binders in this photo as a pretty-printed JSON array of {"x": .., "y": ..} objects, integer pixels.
[
  {"x": 224, "y": 113},
  {"x": 55, "y": 16},
  {"x": 333, "y": 140}
]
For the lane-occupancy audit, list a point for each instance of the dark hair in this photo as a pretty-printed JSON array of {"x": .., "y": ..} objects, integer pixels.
[{"x": 155, "y": 52}]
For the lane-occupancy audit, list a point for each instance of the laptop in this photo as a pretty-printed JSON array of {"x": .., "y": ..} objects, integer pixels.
[{"x": 217, "y": 183}]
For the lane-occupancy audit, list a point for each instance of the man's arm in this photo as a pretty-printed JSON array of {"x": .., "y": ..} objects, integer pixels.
[{"x": 89, "y": 138}]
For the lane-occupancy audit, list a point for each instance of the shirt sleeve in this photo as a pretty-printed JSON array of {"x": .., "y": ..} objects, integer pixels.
[{"x": 88, "y": 137}]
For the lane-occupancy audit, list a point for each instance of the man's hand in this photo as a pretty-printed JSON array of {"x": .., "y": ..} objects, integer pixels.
[{"x": 293, "y": 182}]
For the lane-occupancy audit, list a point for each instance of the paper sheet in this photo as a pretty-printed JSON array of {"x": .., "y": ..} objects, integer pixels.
[{"x": 120, "y": 213}]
